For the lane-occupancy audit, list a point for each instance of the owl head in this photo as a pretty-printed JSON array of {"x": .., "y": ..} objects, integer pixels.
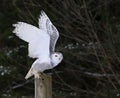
[{"x": 56, "y": 58}]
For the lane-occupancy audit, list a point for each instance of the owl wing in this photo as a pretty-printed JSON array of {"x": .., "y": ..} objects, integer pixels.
[
  {"x": 38, "y": 40},
  {"x": 46, "y": 25}
]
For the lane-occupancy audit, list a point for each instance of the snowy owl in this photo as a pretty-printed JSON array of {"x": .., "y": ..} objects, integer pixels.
[{"x": 41, "y": 44}]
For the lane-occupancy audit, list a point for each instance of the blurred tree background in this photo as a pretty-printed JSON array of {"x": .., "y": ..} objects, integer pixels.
[{"x": 89, "y": 39}]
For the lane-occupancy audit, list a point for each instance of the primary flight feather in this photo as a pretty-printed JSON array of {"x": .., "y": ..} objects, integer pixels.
[{"x": 41, "y": 44}]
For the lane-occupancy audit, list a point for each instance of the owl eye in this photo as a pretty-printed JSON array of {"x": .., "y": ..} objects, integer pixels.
[{"x": 55, "y": 55}]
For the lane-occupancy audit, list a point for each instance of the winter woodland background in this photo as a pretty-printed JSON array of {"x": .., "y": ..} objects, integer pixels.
[{"x": 89, "y": 39}]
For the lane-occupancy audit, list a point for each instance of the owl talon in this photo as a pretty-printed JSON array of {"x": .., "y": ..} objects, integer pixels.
[{"x": 37, "y": 75}]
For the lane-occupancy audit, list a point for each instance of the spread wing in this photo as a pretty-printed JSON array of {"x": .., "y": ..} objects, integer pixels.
[
  {"x": 46, "y": 25},
  {"x": 38, "y": 40}
]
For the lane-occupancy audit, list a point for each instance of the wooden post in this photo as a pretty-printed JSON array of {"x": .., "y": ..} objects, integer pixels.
[{"x": 43, "y": 86}]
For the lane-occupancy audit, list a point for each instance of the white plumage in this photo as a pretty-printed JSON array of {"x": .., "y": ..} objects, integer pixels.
[
  {"x": 38, "y": 40},
  {"x": 46, "y": 25},
  {"x": 41, "y": 44}
]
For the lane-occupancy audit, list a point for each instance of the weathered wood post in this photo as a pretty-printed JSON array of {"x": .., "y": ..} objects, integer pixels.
[{"x": 43, "y": 86}]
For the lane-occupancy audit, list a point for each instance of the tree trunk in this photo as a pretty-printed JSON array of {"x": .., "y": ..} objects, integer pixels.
[{"x": 43, "y": 86}]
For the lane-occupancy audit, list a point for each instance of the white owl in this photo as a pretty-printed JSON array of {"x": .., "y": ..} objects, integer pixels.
[{"x": 41, "y": 44}]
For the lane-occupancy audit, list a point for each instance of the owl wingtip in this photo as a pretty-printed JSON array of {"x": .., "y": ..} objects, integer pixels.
[
  {"x": 14, "y": 25},
  {"x": 43, "y": 13}
]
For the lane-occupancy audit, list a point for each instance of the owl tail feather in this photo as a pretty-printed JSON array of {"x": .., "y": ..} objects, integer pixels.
[{"x": 29, "y": 74}]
